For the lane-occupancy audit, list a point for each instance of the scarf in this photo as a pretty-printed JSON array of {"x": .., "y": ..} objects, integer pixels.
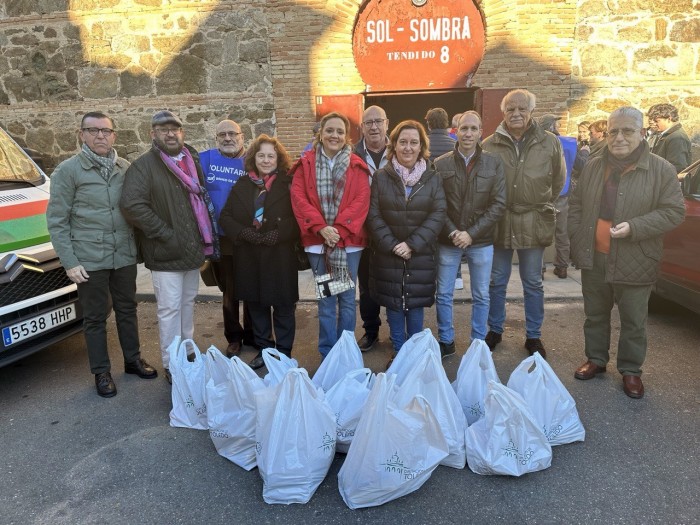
[
  {"x": 410, "y": 177},
  {"x": 263, "y": 184},
  {"x": 331, "y": 186},
  {"x": 199, "y": 198},
  {"x": 105, "y": 165},
  {"x": 616, "y": 168}
]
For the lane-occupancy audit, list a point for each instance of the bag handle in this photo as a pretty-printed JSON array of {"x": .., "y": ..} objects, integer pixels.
[{"x": 182, "y": 350}]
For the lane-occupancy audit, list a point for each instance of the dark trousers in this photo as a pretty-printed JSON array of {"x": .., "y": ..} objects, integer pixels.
[
  {"x": 369, "y": 309},
  {"x": 599, "y": 297},
  {"x": 94, "y": 297},
  {"x": 233, "y": 331},
  {"x": 263, "y": 317}
]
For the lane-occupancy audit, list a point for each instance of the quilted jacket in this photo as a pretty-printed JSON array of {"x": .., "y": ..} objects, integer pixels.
[
  {"x": 157, "y": 205},
  {"x": 649, "y": 199},
  {"x": 674, "y": 146},
  {"x": 535, "y": 175}
]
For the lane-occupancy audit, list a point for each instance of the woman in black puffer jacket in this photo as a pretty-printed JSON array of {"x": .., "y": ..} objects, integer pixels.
[{"x": 407, "y": 211}]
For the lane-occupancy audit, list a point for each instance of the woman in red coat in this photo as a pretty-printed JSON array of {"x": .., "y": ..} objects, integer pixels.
[{"x": 330, "y": 199}]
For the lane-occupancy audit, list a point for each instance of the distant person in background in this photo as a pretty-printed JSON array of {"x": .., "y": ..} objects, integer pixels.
[
  {"x": 330, "y": 199},
  {"x": 97, "y": 247},
  {"x": 583, "y": 134},
  {"x": 625, "y": 202},
  {"x": 573, "y": 161},
  {"x": 598, "y": 133},
  {"x": 455, "y": 125},
  {"x": 671, "y": 142},
  {"x": 371, "y": 148},
  {"x": 438, "y": 133},
  {"x": 222, "y": 167},
  {"x": 314, "y": 132}
]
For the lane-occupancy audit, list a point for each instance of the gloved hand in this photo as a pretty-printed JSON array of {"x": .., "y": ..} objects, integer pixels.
[
  {"x": 250, "y": 235},
  {"x": 77, "y": 274},
  {"x": 271, "y": 238}
]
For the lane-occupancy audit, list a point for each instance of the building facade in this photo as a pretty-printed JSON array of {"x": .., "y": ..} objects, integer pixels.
[{"x": 274, "y": 65}]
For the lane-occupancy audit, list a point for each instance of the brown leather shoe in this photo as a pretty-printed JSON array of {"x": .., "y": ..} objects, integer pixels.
[
  {"x": 560, "y": 271},
  {"x": 233, "y": 349},
  {"x": 633, "y": 387},
  {"x": 588, "y": 370}
]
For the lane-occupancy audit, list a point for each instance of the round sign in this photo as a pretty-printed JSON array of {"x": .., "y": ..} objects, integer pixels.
[{"x": 400, "y": 46}]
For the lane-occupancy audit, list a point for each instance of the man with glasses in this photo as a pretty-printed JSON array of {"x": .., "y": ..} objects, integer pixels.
[
  {"x": 372, "y": 149},
  {"x": 670, "y": 142},
  {"x": 222, "y": 167},
  {"x": 97, "y": 247},
  {"x": 165, "y": 200},
  {"x": 625, "y": 202}
]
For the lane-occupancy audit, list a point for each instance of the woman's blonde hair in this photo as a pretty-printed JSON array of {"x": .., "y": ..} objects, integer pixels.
[{"x": 322, "y": 124}]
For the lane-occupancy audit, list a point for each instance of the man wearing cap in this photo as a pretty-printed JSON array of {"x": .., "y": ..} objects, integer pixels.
[
  {"x": 97, "y": 247},
  {"x": 535, "y": 173},
  {"x": 165, "y": 200},
  {"x": 372, "y": 149},
  {"x": 222, "y": 167}
]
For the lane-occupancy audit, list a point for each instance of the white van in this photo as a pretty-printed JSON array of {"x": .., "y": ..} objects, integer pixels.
[{"x": 38, "y": 303}]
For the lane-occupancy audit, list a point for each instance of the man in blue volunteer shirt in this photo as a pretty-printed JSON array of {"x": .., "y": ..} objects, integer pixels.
[{"x": 222, "y": 167}]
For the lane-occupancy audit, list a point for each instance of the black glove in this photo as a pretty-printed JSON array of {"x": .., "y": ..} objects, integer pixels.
[
  {"x": 271, "y": 238},
  {"x": 250, "y": 235}
]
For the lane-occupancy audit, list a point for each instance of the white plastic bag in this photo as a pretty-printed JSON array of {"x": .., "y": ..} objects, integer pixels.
[
  {"x": 277, "y": 365},
  {"x": 475, "y": 371},
  {"x": 295, "y": 435},
  {"x": 231, "y": 409},
  {"x": 507, "y": 440},
  {"x": 394, "y": 451},
  {"x": 427, "y": 378},
  {"x": 347, "y": 399},
  {"x": 344, "y": 357},
  {"x": 548, "y": 399},
  {"x": 411, "y": 351},
  {"x": 189, "y": 381}
]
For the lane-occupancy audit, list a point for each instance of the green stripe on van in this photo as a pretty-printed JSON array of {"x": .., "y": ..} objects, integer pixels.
[{"x": 20, "y": 233}]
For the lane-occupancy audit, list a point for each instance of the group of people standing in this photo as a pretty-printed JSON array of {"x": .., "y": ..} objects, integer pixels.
[{"x": 380, "y": 212}]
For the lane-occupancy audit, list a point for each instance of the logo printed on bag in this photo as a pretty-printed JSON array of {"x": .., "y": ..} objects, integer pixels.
[
  {"x": 258, "y": 447},
  {"x": 327, "y": 443},
  {"x": 218, "y": 433},
  {"x": 190, "y": 402},
  {"x": 342, "y": 433},
  {"x": 395, "y": 464},
  {"x": 201, "y": 411},
  {"x": 511, "y": 451},
  {"x": 476, "y": 410},
  {"x": 554, "y": 432}
]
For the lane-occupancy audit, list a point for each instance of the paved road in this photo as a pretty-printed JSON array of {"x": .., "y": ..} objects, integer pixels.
[{"x": 70, "y": 457}]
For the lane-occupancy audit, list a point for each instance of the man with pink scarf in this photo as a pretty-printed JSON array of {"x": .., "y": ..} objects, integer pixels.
[{"x": 165, "y": 201}]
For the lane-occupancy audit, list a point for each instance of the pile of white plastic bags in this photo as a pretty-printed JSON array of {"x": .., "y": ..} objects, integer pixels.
[{"x": 396, "y": 427}]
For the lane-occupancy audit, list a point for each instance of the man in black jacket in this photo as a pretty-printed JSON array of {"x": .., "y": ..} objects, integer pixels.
[
  {"x": 475, "y": 192},
  {"x": 164, "y": 199}
]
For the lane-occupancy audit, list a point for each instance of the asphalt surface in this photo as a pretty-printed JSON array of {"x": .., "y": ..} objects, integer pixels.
[{"x": 71, "y": 457}]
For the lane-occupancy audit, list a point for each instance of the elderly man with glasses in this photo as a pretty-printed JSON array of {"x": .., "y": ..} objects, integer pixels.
[
  {"x": 625, "y": 202},
  {"x": 222, "y": 167},
  {"x": 165, "y": 200},
  {"x": 97, "y": 247}
]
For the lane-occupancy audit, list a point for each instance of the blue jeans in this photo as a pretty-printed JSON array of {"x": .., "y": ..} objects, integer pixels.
[
  {"x": 405, "y": 323},
  {"x": 479, "y": 259},
  {"x": 337, "y": 312},
  {"x": 531, "y": 276}
]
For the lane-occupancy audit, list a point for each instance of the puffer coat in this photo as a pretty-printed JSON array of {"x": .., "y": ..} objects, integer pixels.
[{"x": 416, "y": 220}]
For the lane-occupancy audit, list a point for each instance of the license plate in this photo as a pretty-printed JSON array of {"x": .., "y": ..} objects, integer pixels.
[{"x": 36, "y": 325}]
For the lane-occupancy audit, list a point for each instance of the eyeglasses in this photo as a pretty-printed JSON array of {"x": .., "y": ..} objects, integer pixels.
[
  {"x": 376, "y": 122},
  {"x": 232, "y": 134},
  {"x": 628, "y": 133},
  {"x": 168, "y": 131},
  {"x": 106, "y": 132}
]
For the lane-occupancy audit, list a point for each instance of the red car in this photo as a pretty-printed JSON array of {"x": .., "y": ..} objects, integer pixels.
[{"x": 679, "y": 280}]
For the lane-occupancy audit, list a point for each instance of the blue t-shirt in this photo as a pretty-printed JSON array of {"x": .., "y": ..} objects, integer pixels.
[
  {"x": 570, "y": 147},
  {"x": 220, "y": 174}
]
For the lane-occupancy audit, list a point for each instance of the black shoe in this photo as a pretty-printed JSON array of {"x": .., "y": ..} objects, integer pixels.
[
  {"x": 141, "y": 368},
  {"x": 258, "y": 362},
  {"x": 168, "y": 376},
  {"x": 446, "y": 349},
  {"x": 105, "y": 385},
  {"x": 367, "y": 341},
  {"x": 492, "y": 339},
  {"x": 560, "y": 271},
  {"x": 535, "y": 345},
  {"x": 233, "y": 349}
]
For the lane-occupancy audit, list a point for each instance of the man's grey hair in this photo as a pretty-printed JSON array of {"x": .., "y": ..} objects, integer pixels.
[
  {"x": 470, "y": 112},
  {"x": 381, "y": 110},
  {"x": 531, "y": 99},
  {"x": 628, "y": 111}
]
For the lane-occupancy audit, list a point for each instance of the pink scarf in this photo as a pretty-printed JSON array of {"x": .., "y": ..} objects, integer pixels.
[
  {"x": 191, "y": 183},
  {"x": 412, "y": 176}
]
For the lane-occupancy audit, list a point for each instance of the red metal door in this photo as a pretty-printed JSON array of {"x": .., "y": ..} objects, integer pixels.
[{"x": 349, "y": 105}]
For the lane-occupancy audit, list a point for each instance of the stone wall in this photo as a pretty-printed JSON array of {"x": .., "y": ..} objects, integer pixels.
[{"x": 264, "y": 62}]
